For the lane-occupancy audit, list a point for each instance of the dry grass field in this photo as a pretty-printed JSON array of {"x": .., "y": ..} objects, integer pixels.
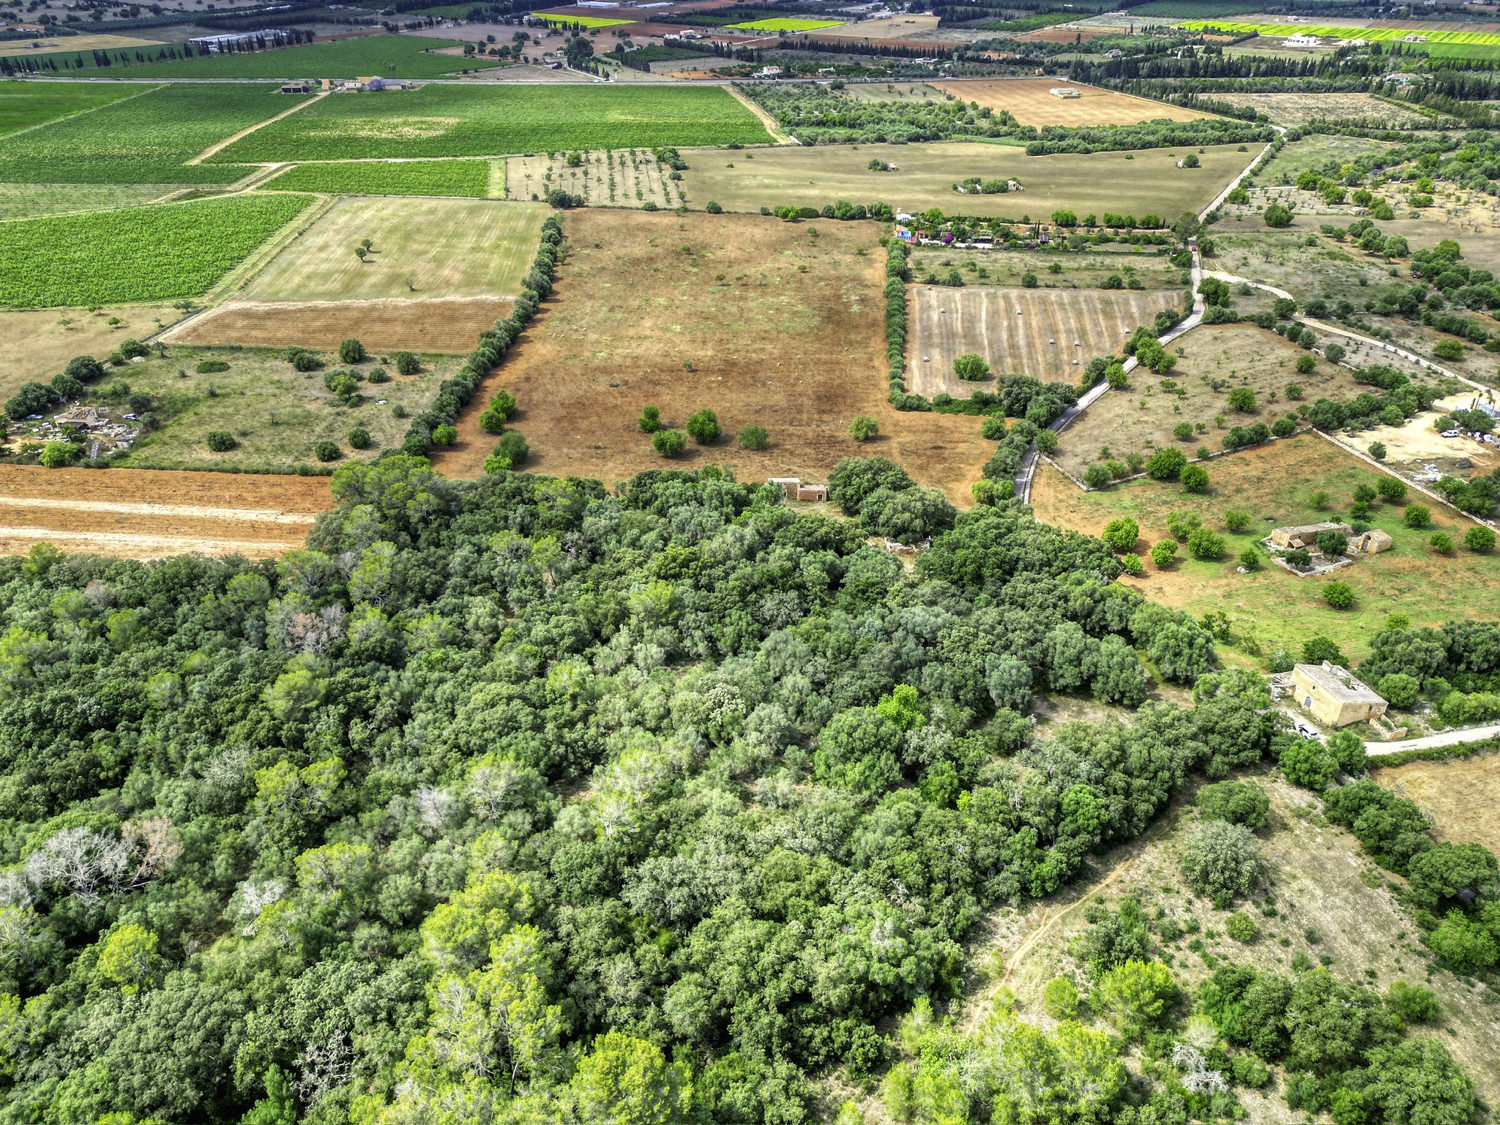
[
  {"x": 903, "y": 26},
  {"x": 1296, "y": 110},
  {"x": 1030, "y": 102},
  {"x": 1046, "y": 333},
  {"x": 1276, "y": 484},
  {"x": 74, "y": 43},
  {"x": 447, "y": 325},
  {"x": 1460, "y": 795},
  {"x": 616, "y": 178},
  {"x": 761, "y": 321},
  {"x": 1324, "y": 889},
  {"x": 141, "y": 514},
  {"x": 1142, "y": 417},
  {"x": 925, "y": 174},
  {"x": 39, "y": 343},
  {"x": 421, "y": 249}
]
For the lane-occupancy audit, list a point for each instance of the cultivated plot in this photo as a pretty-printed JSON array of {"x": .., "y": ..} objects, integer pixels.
[
  {"x": 897, "y": 27},
  {"x": 470, "y": 178},
  {"x": 24, "y": 104},
  {"x": 74, "y": 44},
  {"x": 1142, "y": 417},
  {"x": 496, "y": 120},
  {"x": 1031, "y": 102},
  {"x": 136, "y": 514},
  {"x": 1278, "y": 484},
  {"x": 136, "y": 254},
  {"x": 32, "y": 201},
  {"x": 419, "y": 249},
  {"x": 446, "y": 325},
  {"x": 1297, "y": 110},
  {"x": 924, "y": 176},
  {"x": 760, "y": 321},
  {"x": 145, "y": 139},
  {"x": 1048, "y": 334},
  {"x": 614, "y": 178}
]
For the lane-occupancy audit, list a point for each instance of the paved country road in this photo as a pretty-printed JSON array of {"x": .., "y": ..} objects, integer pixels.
[{"x": 1446, "y": 738}]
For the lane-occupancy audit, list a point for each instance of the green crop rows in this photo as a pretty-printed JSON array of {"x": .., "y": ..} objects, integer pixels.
[
  {"x": 141, "y": 140},
  {"x": 499, "y": 120},
  {"x": 391, "y": 56},
  {"x": 785, "y": 25},
  {"x": 1382, "y": 34},
  {"x": 154, "y": 253},
  {"x": 411, "y": 177},
  {"x": 23, "y": 104}
]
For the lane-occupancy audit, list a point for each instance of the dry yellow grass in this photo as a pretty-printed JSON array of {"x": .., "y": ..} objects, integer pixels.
[
  {"x": 79, "y": 43},
  {"x": 39, "y": 345},
  {"x": 1460, "y": 795},
  {"x": 421, "y": 248},
  {"x": 1030, "y": 102}
]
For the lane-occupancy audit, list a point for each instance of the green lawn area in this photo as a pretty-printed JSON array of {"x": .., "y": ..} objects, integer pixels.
[
  {"x": 494, "y": 120},
  {"x": 23, "y": 104},
  {"x": 153, "y": 253},
  {"x": 1276, "y": 486},
  {"x": 785, "y": 24},
  {"x": 390, "y": 56},
  {"x": 581, "y": 21},
  {"x": 141, "y": 140},
  {"x": 276, "y": 414}
]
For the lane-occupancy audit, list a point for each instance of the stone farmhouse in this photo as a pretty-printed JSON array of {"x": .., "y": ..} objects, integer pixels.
[{"x": 1333, "y": 695}]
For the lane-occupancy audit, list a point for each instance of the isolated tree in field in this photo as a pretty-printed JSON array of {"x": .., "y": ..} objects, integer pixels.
[
  {"x": 1390, "y": 488},
  {"x": 351, "y": 351},
  {"x": 1205, "y": 544},
  {"x": 1166, "y": 464},
  {"x": 704, "y": 427},
  {"x": 327, "y": 451},
  {"x": 1183, "y": 431},
  {"x": 650, "y": 420},
  {"x": 1441, "y": 542},
  {"x": 1190, "y": 160},
  {"x": 406, "y": 363},
  {"x": 972, "y": 368},
  {"x": 1339, "y": 595},
  {"x": 1164, "y": 553},
  {"x": 1221, "y": 860},
  {"x": 1096, "y": 476},
  {"x": 359, "y": 438},
  {"x": 1278, "y": 216},
  {"x": 1417, "y": 516},
  {"x": 59, "y": 454},
  {"x": 1242, "y": 399},
  {"x": 754, "y": 437},
  {"x": 1194, "y": 478},
  {"x": 1236, "y": 520},
  {"x": 361, "y": 253},
  {"x": 1305, "y": 364},
  {"x": 863, "y": 428},
  {"x": 1479, "y": 539},
  {"x": 669, "y": 443},
  {"x": 220, "y": 441}
]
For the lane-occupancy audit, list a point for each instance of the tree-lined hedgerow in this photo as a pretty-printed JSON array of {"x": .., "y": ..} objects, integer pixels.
[{"x": 454, "y": 394}]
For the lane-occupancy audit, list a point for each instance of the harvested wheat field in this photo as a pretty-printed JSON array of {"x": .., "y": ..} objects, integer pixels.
[
  {"x": 1048, "y": 334},
  {"x": 897, "y": 27},
  {"x": 1296, "y": 110},
  {"x": 39, "y": 343},
  {"x": 763, "y": 322},
  {"x": 1030, "y": 102},
  {"x": 1461, "y": 795},
  {"x": 139, "y": 514},
  {"x": 441, "y": 326}
]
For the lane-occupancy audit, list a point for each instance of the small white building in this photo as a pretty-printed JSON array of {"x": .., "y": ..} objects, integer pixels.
[
  {"x": 1300, "y": 40},
  {"x": 1064, "y": 92}
]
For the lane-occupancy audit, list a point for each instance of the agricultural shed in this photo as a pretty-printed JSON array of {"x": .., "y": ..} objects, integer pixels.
[
  {"x": 1371, "y": 542},
  {"x": 1334, "y": 696},
  {"x": 793, "y": 489}
]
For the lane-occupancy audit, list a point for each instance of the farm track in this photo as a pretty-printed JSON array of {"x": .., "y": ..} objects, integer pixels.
[
  {"x": 215, "y": 149},
  {"x": 136, "y": 513}
]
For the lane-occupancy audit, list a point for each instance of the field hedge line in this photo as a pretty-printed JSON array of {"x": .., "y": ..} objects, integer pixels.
[{"x": 455, "y": 393}]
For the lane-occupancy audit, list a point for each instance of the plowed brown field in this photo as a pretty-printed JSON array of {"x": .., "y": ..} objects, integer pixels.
[
  {"x": 435, "y": 325},
  {"x": 761, "y": 321},
  {"x": 1019, "y": 331},
  {"x": 140, "y": 514},
  {"x": 1030, "y": 102}
]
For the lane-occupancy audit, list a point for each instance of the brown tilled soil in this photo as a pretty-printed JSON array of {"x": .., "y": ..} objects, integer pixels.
[
  {"x": 1030, "y": 101},
  {"x": 137, "y": 513},
  {"x": 437, "y": 325},
  {"x": 761, "y": 321},
  {"x": 1019, "y": 331},
  {"x": 1064, "y": 34}
]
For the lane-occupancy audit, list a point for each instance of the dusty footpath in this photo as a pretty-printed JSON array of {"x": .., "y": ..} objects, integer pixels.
[{"x": 143, "y": 514}]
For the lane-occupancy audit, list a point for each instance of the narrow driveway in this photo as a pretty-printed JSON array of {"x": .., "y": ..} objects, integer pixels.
[{"x": 1446, "y": 738}]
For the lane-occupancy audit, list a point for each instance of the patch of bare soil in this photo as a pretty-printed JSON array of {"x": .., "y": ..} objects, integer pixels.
[
  {"x": 441, "y": 325},
  {"x": 764, "y": 322},
  {"x": 136, "y": 513}
]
